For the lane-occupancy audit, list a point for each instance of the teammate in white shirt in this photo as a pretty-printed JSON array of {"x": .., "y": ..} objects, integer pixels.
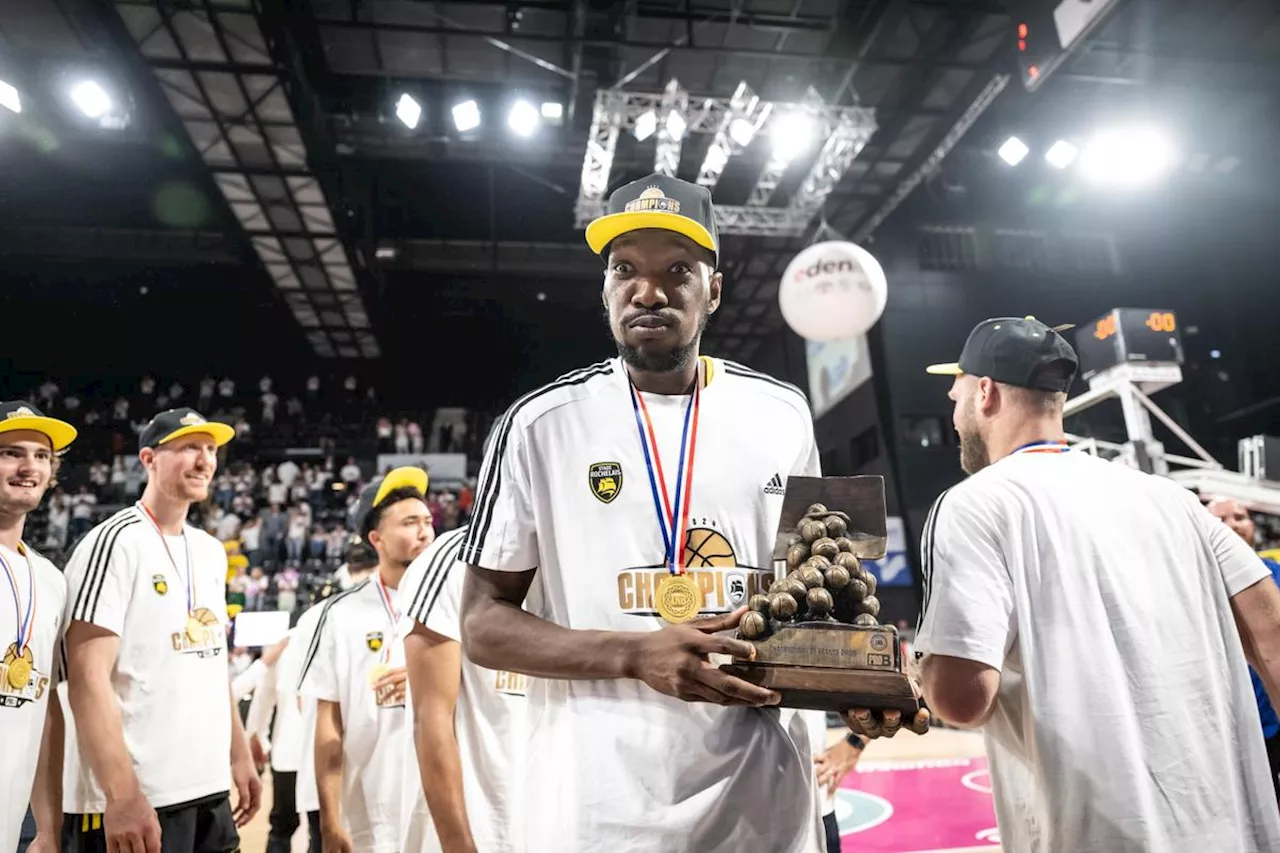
[
  {"x": 643, "y": 484},
  {"x": 32, "y": 598},
  {"x": 361, "y": 561},
  {"x": 461, "y": 794},
  {"x": 1089, "y": 617},
  {"x": 159, "y": 733},
  {"x": 274, "y": 728},
  {"x": 355, "y": 671}
]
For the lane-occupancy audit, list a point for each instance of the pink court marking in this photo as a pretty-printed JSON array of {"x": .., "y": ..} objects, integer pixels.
[{"x": 938, "y": 806}]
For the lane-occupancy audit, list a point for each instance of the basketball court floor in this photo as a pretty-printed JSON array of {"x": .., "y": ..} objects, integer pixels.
[{"x": 909, "y": 794}]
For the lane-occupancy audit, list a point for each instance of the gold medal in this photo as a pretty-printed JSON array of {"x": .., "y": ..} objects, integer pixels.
[
  {"x": 679, "y": 598},
  {"x": 377, "y": 672},
  {"x": 196, "y": 632},
  {"x": 19, "y": 673}
]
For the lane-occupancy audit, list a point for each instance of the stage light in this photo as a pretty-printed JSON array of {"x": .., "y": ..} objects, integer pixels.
[
  {"x": 1013, "y": 151},
  {"x": 91, "y": 99},
  {"x": 742, "y": 131},
  {"x": 1061, "y": 154},
  {"x": 1127, "y": 156},
  {"x": 466, "y": 116},
  {"x": 676, "y": 125},
  {"x": 523, "y": 118},
  {"x": 552, "y": 110},
  {"x": 792, "y": 135},
  {"x": 408, "y": 111},
  {"x": 646, "y": 124},
  {"x": 9, "y": 98}
]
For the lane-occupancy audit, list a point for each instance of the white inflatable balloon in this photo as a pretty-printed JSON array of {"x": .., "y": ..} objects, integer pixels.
[{"x": 832, "y": 291}]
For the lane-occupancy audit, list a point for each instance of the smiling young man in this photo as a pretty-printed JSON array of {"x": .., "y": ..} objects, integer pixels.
[
  {"x": 1089, "y": 618},
  {"x": 32, "y": 598},
  {"x": 633, "y": 494},
  {"x": 355, "y": 671},
  {"x": 160, "y": 739}
]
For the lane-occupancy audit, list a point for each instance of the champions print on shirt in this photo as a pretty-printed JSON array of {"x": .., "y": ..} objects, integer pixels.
[
  {"x": 710, "y": 561},
  {"x": 20, "y": 681},
  {"x": 200, "y": 636}
]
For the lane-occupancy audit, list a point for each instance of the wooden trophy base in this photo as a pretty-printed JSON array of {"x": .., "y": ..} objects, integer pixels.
[{"x": 828, "y": 666}]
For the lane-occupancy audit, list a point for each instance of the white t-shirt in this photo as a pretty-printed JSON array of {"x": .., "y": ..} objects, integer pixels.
[
  {"x": 291, "y": 664},
  {"x": 174, "y": 693},
  {"x": 1125, "y": 719},
  {"x": 22, "y": 710},
  {"x": 275, "y": 705},
  {"x": 564, "y": 490},
  {"x": 355, "y": 635},
  {"x": 489, "y": 719}
]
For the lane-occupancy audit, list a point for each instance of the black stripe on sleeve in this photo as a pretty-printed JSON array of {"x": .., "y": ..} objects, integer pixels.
[
  {"x": 94, "y": 542},
  {"x": 315, "y": 638},
  {"x": 437, "y": 574},
  {"x": 734, "y": 369},
  {"x": 926, "y": 557},
  {"x": 99, "y": 566},
  {"x": 491, "y": 471}
]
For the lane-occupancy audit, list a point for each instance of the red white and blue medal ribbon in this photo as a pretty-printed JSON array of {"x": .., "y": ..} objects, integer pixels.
[
  {"x": 186, "y": 578},
  {"x": 673, "y": 516},
  {"x": 392, "y": 614},
  {"x": 1044, "y": 447},
  {"x": 26, "y": 620}
]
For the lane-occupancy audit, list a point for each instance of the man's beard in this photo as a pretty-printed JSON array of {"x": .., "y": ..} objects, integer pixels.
[
  {"x": 973, "y": 452},
  {"x": 665, "y": 362}
]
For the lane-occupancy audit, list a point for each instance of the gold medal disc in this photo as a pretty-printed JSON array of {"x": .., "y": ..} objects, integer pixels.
[
  {"x": 377, "y": 672},
  {"x": 196, "y": 631},
  {"x": 679, "y": 598},
  {"x": 19, "y": 673}
]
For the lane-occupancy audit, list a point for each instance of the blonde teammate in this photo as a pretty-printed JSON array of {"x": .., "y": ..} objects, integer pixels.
[
  {"x": 355, "y": 672},
  {"x": 461, "y": 794},
  {"x": 159, "y": 735},
  {"x": 32, "y": 597},
  {"x": 634, "y": 495}
]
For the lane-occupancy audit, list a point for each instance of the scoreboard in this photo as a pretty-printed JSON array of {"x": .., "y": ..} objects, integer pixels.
[
  {"x": 1124, "y": 335},
  {"x": 1045, "y": 32}
]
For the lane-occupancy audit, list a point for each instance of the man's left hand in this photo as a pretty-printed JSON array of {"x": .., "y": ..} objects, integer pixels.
[
  {"x": 835, "y": 764},
  {"x": 248, "y": 789}
]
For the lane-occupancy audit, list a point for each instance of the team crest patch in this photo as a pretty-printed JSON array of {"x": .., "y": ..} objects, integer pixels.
[
  {"x": 159, "y": 584},
  {"x": 373, "y": 640},
  {"x": 605, "y": 479}
]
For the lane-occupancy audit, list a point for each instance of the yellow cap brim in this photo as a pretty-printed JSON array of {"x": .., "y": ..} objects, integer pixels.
[
  {"x": 59, "y": 433},
  {"x": 606, "y": 229},
  {"x": 220, "y": 432},
  {"x": 951, "y": 369},
  {"x": 400, "y": 478}
]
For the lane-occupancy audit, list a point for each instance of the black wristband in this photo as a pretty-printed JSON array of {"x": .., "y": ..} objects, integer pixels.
[{"x": 856, "y": 742}]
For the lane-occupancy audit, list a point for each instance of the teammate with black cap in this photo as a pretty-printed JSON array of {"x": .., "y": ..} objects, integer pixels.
[
  {"x": 355, "y": 671},
  {"x": 1089, "y": 618},
  {"x": 159, "y": 733},
  {"x": 32, "y": 598},
  {"x": 636, "y": 495}
]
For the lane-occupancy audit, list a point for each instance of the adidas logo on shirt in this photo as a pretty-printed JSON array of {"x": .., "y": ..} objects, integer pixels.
[{"x": 774, "y": 486}]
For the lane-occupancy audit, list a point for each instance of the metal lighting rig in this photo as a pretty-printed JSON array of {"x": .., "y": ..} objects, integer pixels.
[
  {"x": 839, "y": 133},
  {"x": 1129, "y": 354}
]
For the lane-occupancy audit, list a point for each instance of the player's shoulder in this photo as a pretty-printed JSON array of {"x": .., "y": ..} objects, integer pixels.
[
  {"x": 116, "y": 533},
  {"x": 343, "y": 601},
  {"x": 205, "y": 541},
  {"x": 45, "y": 569},
  {"x": 431, "y": 571},
  {"x": 749, "y": 382},
  {"x": 574, "y": 386}
]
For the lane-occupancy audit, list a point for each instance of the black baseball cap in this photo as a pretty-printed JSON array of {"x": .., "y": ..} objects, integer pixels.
[
  {"x": 1018, "y": 351},
  {"x": 24, "y": 416},
  {"x": 658, "y": 201},
  {"x": 377, "y": 490},
  {"x": 175, "y": 423}
]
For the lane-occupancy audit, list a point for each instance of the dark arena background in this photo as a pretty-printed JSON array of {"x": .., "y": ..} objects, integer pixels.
[{"x": 354, "y": 229}]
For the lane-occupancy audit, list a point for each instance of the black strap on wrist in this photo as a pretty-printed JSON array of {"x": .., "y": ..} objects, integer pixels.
[{"x": 856, "y": 742}]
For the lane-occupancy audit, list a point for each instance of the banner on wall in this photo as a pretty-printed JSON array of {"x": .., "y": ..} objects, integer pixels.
[
  {"x": 442, "y": 467},
  {"x": 895, "y": 568},
  {"x": 835, "y": 369}
]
